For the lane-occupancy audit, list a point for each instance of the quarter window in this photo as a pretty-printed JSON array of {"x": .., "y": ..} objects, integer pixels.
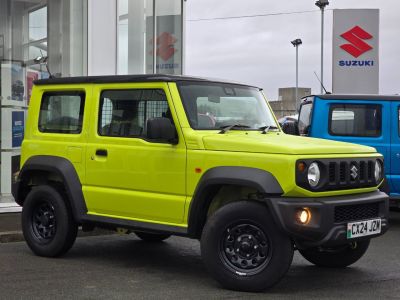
[
  {"x": 61, "y": 112},
  {"x": 355, "y": 120},
  {"x": 124, "y": 113}
]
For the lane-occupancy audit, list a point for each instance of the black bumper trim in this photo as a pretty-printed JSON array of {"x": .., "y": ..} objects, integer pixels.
[{"x": 322, "y": 229}]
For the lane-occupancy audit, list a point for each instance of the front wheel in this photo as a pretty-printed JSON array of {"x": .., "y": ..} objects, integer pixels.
[
  {"x": 47, "y": 222},
  {"x": 243, "y": 249},
  {"x": 338, "y": 257}
]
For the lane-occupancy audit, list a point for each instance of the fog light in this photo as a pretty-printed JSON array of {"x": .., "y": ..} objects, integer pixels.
[{"x": 303, "y": 216}]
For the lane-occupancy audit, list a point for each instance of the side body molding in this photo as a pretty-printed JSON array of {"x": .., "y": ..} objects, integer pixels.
[
  {"x": 261, "y": 180},
  {"x": 60, "y": 167}
]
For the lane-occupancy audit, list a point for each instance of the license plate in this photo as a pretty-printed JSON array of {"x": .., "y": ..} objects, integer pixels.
[{"x": 363, "y": 228}]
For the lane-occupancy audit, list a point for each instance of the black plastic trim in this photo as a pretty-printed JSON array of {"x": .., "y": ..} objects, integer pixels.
[
  {"x": 261, "y": 180},
  {"x": 322, "y": 229},
  {"x": 107, "y": 222},
  {"x": 60, "y": 166}
]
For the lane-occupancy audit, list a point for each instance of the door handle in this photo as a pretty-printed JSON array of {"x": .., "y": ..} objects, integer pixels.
[
  {"x": 398, "y": 155},
  {"x": 101, "y": 152}
]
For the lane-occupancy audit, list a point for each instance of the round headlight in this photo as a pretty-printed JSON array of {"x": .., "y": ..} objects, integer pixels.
[
  {"x": 313, "y": 174},
  {"x": 378, "y": 171}
]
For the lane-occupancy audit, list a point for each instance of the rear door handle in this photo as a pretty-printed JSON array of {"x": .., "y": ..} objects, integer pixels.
[{"x": 101, "y": 152}]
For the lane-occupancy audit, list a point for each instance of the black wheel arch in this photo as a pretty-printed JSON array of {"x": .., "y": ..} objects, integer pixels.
[
  {"x": 209, "y": 184},
  {"x": 47, "y": 165}
]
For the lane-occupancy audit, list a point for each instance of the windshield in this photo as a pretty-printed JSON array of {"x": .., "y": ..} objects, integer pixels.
[{"x": 217, "y": 105}]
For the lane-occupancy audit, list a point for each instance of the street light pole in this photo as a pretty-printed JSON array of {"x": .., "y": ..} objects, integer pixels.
[
  {"x": 321, "y": 4},
  {"x": 296, "y": 43}
]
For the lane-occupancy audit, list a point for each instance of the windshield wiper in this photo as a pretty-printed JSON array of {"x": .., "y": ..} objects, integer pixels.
[
  {"x": 265, "y": 129},
  {"x": 229, "y": 127}
]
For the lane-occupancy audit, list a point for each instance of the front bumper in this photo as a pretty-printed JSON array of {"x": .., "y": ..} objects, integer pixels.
[{"x": 328, "y": 225}]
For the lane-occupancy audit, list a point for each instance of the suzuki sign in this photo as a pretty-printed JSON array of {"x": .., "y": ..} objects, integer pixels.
[{"x": 355, "y": 51}]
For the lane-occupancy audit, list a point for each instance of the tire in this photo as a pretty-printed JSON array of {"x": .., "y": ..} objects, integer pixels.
[
  {"x": 47, "y": 222},
  {"x": 152, "y": 237},
  {"x": 268, "y": 253},
  {"x": 339, "y": 257}
]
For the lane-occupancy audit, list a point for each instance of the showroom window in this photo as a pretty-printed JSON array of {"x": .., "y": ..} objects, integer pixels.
[
  {"x": 138, "y": 51},
  {"x": 37, "y": 33}
]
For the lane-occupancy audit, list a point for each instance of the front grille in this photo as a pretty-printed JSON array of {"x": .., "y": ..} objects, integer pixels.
[
  {"x": 340, "y": 174},
  {"x": 348, "y": 213}
]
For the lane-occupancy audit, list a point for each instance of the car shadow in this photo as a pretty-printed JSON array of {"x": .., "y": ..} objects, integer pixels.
[{"x": 180, "y": 258}]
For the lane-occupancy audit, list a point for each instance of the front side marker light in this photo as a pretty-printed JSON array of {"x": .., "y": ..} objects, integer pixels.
[
  {"x": 301, "y": 167},
  {"x": 303, "y": 216}
]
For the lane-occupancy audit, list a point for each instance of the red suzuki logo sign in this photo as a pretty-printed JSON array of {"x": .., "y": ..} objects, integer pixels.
[
  {"x": 357, "y": 46},
  {"x": 165, "y": 45}
]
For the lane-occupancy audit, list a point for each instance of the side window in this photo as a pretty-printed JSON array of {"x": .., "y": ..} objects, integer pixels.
[
  {"x": 124, "y": 113},
  {"x": 61, "y": 112},
  {"x": 355, "y": 120}
]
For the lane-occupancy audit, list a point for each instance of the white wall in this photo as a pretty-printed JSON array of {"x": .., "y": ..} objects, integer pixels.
[{"x": 102, "y": 37}]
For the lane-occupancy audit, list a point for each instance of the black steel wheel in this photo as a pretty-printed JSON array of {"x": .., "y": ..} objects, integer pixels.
[
  {"x": 44, "y": 222},
  {"x": 336, "y": 257},
  {"x": 243, "y": 249},
  {"x": 47, "y": 222},
  {"x": 152, "y": 237}
]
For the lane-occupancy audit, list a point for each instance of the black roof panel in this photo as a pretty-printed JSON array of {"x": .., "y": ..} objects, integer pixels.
[
  {"x": 128, "y": 79},
  {"x": 370, "y": 97}
]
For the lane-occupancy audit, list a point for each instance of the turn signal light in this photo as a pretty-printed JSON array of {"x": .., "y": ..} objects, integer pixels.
[{"x": 303, "y": 216}]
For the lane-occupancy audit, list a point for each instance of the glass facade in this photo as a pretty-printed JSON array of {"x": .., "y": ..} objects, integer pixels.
[
  {"x": 77, "y": 38},
  {"x": 138, "y": 50},
  {"x": 54, "y": 29}
]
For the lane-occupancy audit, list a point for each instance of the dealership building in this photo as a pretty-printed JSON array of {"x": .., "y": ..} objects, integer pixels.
[{"x": 77, "y": 37}]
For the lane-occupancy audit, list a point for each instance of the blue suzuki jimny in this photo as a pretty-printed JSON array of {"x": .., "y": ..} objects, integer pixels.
[{"x": 370, "y": 120}]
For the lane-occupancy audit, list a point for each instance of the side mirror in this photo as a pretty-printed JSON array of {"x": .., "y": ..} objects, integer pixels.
[
  {"x": 161, "y": 129},
  {"x": 290, "y": 127}
]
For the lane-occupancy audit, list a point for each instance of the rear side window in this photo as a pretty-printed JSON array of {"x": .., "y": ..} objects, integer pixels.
[
  {"x": 124, "y": 113},
  {"x": 61, "y": 112},
  {"x": 364, "y": 120}
]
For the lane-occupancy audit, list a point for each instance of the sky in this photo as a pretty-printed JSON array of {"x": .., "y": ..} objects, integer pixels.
[{"x": 258, "y": 51}]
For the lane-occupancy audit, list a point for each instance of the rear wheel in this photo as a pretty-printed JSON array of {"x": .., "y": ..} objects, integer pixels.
[
  {"x": 243, "y": 249},
  {"x": 152, "y": 237},
  {"x": 47, "y": 222},
  {"x": 338, "y": 257}
]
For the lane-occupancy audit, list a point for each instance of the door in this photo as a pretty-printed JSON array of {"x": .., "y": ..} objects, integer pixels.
[
  {"x": 395, "y": 149},
  {"x": 128, "y": 175}
]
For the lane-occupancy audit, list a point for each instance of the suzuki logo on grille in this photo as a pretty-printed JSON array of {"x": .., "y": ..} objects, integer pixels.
[
  {"x": 353, "y": 172},
  {"x": 355, "y": 36}
]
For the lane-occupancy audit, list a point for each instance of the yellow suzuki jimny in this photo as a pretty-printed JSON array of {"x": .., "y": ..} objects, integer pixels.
[{"x": 163, "y": 155}]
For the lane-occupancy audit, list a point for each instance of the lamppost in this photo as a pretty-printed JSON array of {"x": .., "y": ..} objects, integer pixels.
[
  {"x": 321, "y": 4},
  {"x": 296, "y": 43}
]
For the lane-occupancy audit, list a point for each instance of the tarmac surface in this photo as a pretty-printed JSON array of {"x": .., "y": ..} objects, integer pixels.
[{"x": 121, "y": 267}]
